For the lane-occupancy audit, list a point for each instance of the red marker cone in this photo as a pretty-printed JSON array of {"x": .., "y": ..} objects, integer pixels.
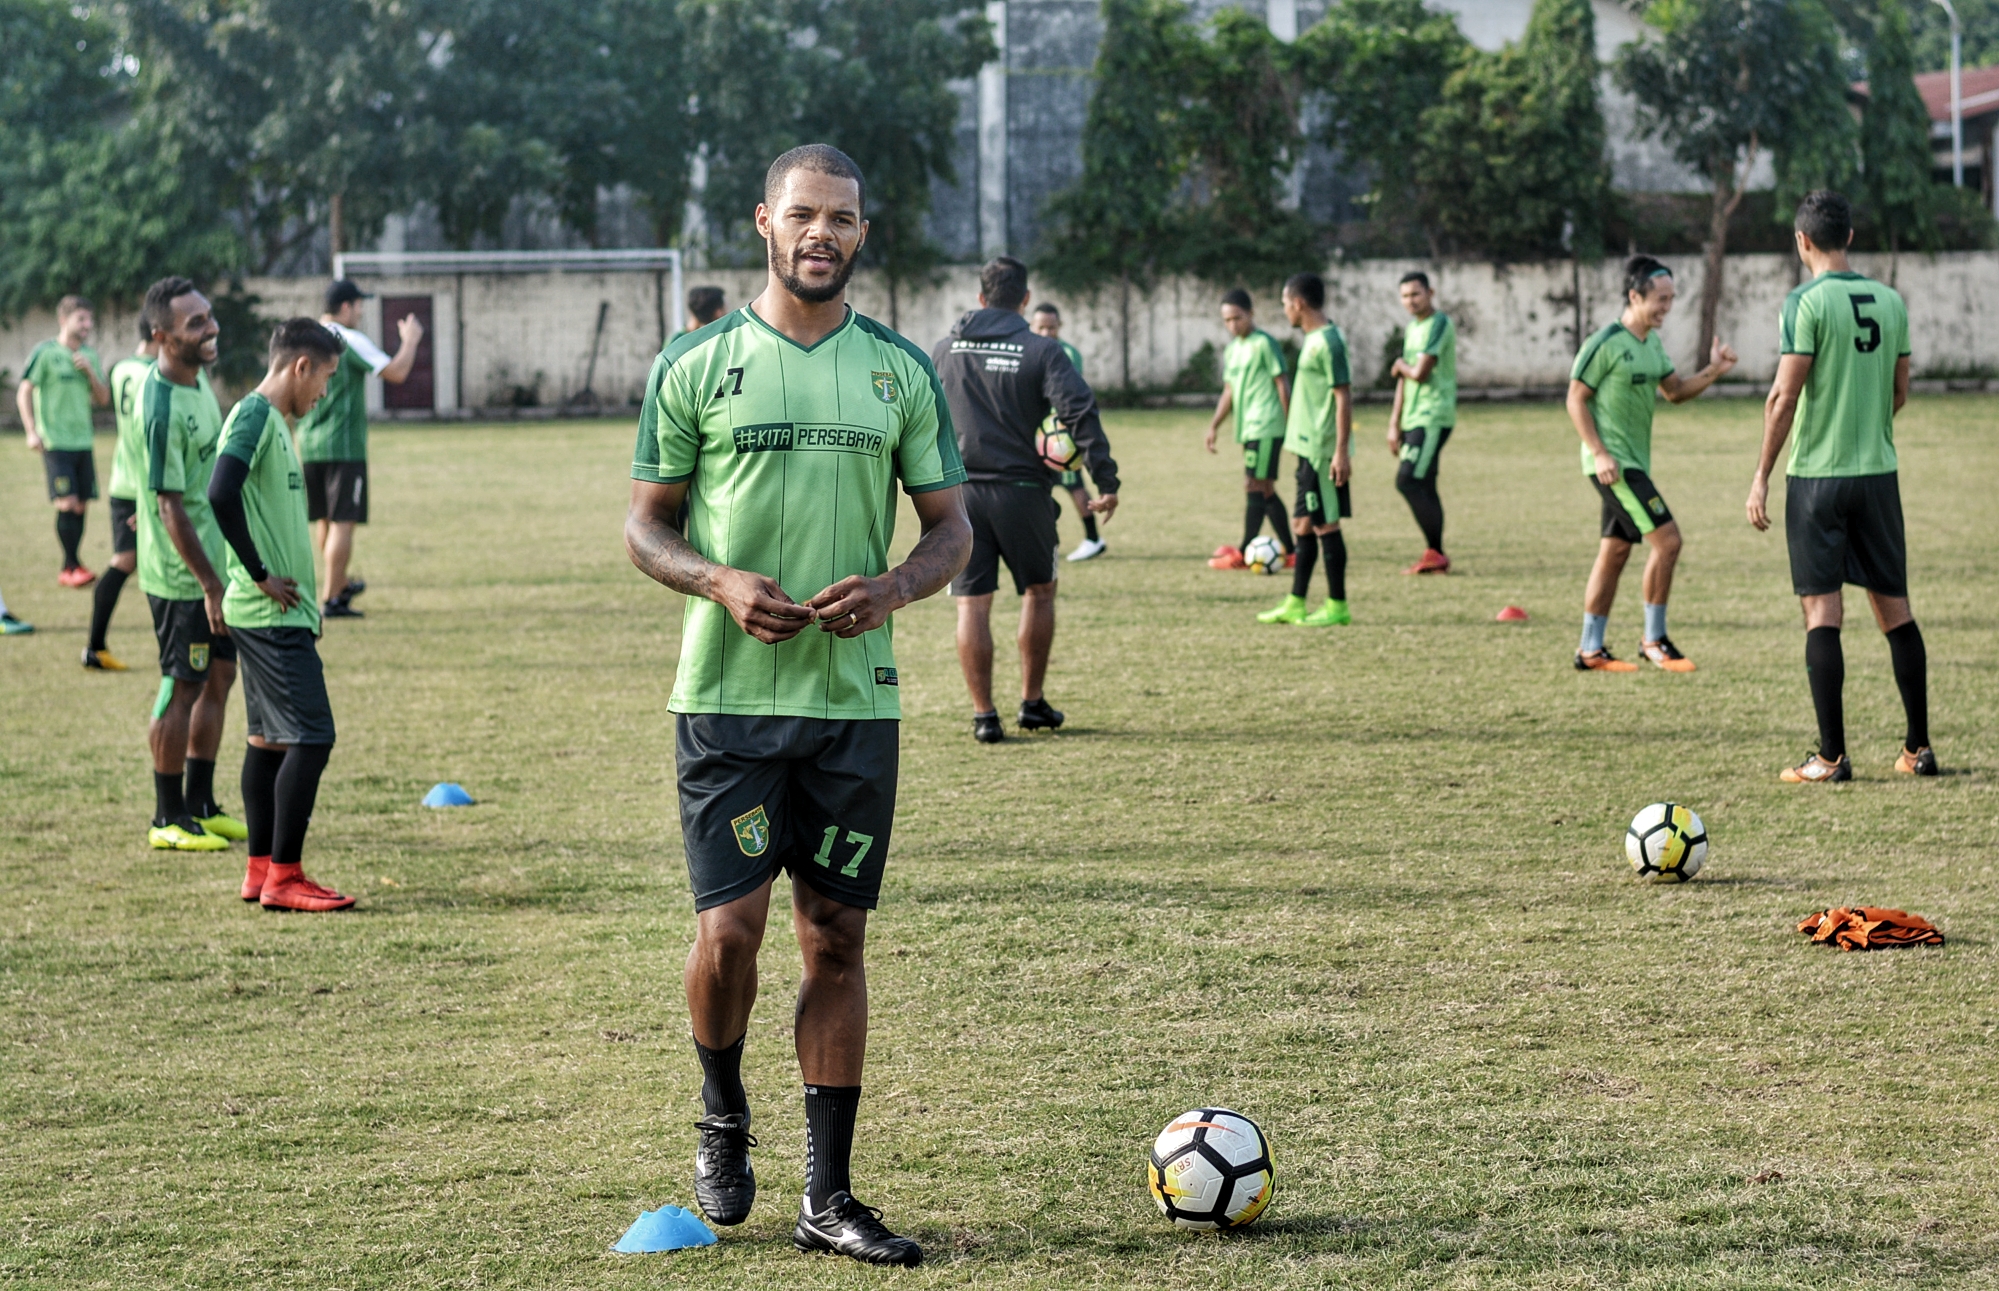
[{"x": 1511, "y": 614}]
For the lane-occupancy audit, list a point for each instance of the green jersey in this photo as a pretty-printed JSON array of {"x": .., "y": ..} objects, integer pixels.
[
  {"x": 336, "y": 430},
  {"x": 1076, "y": 357},
  {"x": 1311, "y": 431},
  {"x": 1432, "y": 403},
  {"x": 62, "y": 395},
  {"x": 182, "y": 425},
  {"x": 1623, "y": 374},
  {"x": 791, "y": 455},
  {"x": 1251, "y": 366},
  {"x": 128, "y": 464},
  {"x": 1855, "y": 329},
  {"x": 274, "y": 504}
]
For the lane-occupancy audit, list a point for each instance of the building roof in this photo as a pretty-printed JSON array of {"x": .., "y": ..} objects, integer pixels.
[{"x": 1981, "y": 92}]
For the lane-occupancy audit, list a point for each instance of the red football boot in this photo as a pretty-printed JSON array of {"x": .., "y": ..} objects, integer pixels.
[
  {"x": 287, "y": 888},
  {"x": 253, "y": 877}
]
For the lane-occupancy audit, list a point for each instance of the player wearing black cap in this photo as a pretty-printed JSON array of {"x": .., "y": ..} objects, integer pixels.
[{"x": 333, "y": 440}]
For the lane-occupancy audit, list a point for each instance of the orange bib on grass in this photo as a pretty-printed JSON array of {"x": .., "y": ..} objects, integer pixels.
[{"x": 1870, "y": 928}]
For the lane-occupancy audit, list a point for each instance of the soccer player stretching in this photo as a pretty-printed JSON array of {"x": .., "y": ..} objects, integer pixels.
[
  {"x": 1424, "y": 413},
  {"x": 259, "y": 499},
  {"x": 1048, "y": 322},
  {"x": 1319, "y": 430},
  {"x": 1257, "y": 395},
  {"x": 1842, "y": 377},
  {"x": 179, "y": 549},
  {"x": 128, "y": 467},
  {"x": 785, "y": 426},
  {"x": 1610, "y": 401},
  {"x": 58, "y": 389}
]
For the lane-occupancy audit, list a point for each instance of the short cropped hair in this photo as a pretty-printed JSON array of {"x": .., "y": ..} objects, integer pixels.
[
  {"x": 145, "y": 329},
  {"x": 1639, "y": 274},
  {"x": 1239, "y": 298},
  {"x": 1048, "y": 307},
  {"x": 705, "y": 302},
  {"x": 308, "y": 336},
  {"x": 1826, "y": 218},
  {"x": 821, "y": 157},
  {"x": 1309, "y": 288},
  {"x": 1003, "y": 282},
  {"x": 71, "y": 304},
  {"x": 1415, "y": 275},
  {"x": 158, "y": 311}
]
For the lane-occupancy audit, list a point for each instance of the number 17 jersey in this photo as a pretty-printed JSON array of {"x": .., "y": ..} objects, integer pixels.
[
  {"x": 791, "y": 454},
  {"x": 1855, "y": 329}
]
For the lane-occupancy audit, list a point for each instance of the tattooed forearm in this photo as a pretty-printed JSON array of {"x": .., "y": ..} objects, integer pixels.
[
  {"x": 941, "y": 552},
  {"x": 658, "y": 547}
]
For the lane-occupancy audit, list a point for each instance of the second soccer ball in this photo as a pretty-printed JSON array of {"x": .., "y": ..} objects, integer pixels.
[
  {"x": 1666, "y": 843},
  {"x": 1263, "y": 554}
]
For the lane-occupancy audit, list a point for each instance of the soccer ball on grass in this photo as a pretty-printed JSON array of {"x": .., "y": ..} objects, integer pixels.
[
  {"x": 1263, "y": 554},
  {"x": 1666, "y": 843},
  {"x": 1210, "y": 1169}
]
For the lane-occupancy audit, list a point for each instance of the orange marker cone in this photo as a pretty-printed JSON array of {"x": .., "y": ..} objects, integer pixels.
[{"x": 1511, "y": 614}]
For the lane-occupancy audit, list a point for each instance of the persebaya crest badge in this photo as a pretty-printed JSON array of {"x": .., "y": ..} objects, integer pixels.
[
  {"x": 197, "y": 655},
  {"x": 885, "y": 386},
  {"x": 752, "y": 831}
]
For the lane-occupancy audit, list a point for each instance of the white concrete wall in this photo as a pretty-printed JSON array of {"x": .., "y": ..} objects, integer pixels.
[{"x": 1516, "y": 323}]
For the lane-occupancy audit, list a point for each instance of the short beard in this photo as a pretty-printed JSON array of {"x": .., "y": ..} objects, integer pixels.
[{"x": 805, "y": 291}]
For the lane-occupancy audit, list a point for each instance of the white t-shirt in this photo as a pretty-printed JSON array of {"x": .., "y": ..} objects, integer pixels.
[{"x": 358, "y": 342}]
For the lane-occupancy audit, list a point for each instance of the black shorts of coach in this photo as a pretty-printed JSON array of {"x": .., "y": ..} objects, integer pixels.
[
  {"x": 187, "y": 644},
  {"x": 124, "y": 537},
  {"x": 1846, "y": 529},
  {"x": 1013, "y": 523},
  {"x": 1632, "y": 507},
  {"x": 805, "y": 794},
  {"x": 284, "y": 686},
  {"x": 72, "y": 473},
  {"x": 336, "y": 491},
  {"x": 1311, "y": 499}
]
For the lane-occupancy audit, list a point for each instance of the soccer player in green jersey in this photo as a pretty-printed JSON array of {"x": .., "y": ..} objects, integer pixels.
[
  {"x": 59, "y": 387},
  {"x": 1424, "y": 413},
  {"x": 1611, "y": 393},
  {"x": 128, "y": 468},
  {"x": 258, "y": 495},
  {"x": 179, "y": 552},
  {"x": 333, "y": 441},
  {"x": 785, "y": 427},
  {"x": 1319, "y": 430},
  {"x": 1842, "y": 376},
  {"x": 1257, "y": 396},
  {"x": 1047, "y": 322}
]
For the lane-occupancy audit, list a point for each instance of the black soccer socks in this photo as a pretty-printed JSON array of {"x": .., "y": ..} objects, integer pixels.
[
  {"x": 1308, "y": 560},
  {"x": 109, "y": 584},
  {"x": 201, "y": 788},
  {"x": 1252, "y": 518},
  {"x": 1424, "y": 504},
  {"x": 1273, "y": 510},
  {"x": 722, "y": 1092},
  {"x": 1334, "y": 545},
  {"x": 69, "y": 532},
  {"x": 1090, "y": 525},
  {"x": 1912, "y": 678},
  {"x": 1825, "y": 665},
  {"x": 260, "y": 795},
  {"x": 168, "y": 804},
  {"x": 830, "y": 1112},
  {"x": 296, "y": 790}
]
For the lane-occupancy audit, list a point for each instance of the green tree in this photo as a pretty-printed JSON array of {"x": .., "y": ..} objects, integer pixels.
[
  {"x": 1510, "y": 159},
  {"x": 1117, "y": 223},
  {"x": 1895, "y": 137},
  {"x": 1727, "y": 78}
]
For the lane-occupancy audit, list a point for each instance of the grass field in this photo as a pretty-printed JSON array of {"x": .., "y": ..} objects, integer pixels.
[{"x": 1363, "y": 884}]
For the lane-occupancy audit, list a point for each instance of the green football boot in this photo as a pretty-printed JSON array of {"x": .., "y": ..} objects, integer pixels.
[
  {"x": 1292, "y": 611},
  {"x": 1331, "y": 614},
  {"x": 172, "y": 837},
  {"x": 224, "y": 825}
]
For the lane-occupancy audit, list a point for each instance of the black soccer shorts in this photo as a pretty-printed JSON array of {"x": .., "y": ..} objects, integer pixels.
[
  {"x": 1011, "y": 523},
  {"x": 284, "y": 686},
  {"x": 72, "y": 473},
  {"x": 1846, "y": 529},
  {"x": 1260, "y": 457},
  {"x": 124, "y": 537},
  {"x": 1632, "y": 507},
  {"x": 1311, "y": 498},
  {"x": 804, "y": 794},
  {"x": 336, "y": 491},
  {"x": 186, "y": 642}
]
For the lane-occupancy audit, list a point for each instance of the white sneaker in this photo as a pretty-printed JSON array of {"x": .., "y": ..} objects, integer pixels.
[{"x": 1089, "y": 549}]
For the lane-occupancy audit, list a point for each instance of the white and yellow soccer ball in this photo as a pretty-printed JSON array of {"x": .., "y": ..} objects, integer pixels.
[
  {"x": 1264, "y": 554},
  {"x": 1210, "y": 1169},
  {"x": 1057, "y": 449},
  {"x": 1666, "y": 843}
]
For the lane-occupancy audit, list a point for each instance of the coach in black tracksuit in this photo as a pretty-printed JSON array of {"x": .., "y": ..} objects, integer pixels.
[{"x": 1002, "y": 381}]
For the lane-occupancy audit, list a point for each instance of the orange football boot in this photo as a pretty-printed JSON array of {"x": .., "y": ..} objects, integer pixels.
[
  {"x": 1431, "y": 561},
  {"x": 1227, "y": 557},
  {"x": 1602, "y": 661},
  {"x": 287, "y": 888},
  {"x": 253, "y": 877},
  {"x": 1666, "y": 655},
  {"x": 1816, "y": 770},
  {"x": 1921, "y": 762}
]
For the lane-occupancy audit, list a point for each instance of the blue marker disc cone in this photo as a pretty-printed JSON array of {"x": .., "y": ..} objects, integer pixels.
[
  {"x": 667, "y": 1229},
  {"x": 447, "y": 795}
]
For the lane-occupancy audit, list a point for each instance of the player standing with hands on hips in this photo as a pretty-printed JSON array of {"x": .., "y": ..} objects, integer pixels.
[
  {"x": 1842, "y": 376},
  {"x": 784, "y": 427}
]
